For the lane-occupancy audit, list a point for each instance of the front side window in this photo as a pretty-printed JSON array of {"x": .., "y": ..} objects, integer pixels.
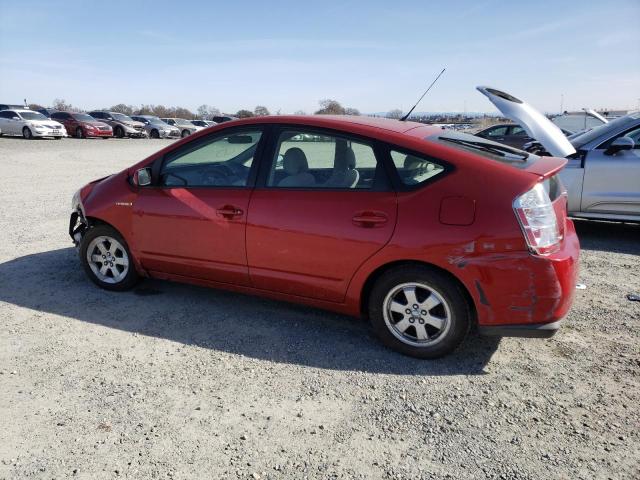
[
  {"x": 414, "y": 169},
  {"x": 222, "y": 161},
  {"x": 497, "y": 132},
  {"x": 312, "y": 160}
]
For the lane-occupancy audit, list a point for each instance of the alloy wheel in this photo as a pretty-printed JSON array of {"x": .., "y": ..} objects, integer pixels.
[
  {"x": 108, "y": 259},
  {"x": 417, "y": 314}
]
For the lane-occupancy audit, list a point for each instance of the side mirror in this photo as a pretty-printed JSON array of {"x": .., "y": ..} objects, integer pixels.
[
  {"x": 142, "y": 177},
  {"x": 15, "y": 118},
  {"x": 620, "y": 144}
]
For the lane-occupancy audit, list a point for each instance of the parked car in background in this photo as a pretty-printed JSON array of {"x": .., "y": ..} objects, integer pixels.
[
  {"x": 203, "y": 123},
  {"x": 155, "y": 127},
  {"x": 602, "y": 175},
  {"x": 29, "y": 124},
  {"x": 510, "y": 134},
  {"x": 8, "y": 106},
  {"x": 185, "y": 126},
  {"x": 47, "y": 112},
  {"x": 122, "y": 125},
  {"x": 223, "y": 118},
  {"x": 377, "y": 218},
  {"x": 82, "y": 125}
]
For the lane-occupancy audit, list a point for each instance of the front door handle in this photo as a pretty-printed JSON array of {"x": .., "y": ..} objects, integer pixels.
[
  {"x": 369, "y": 219},
  {"x": 229, "y": 211}
]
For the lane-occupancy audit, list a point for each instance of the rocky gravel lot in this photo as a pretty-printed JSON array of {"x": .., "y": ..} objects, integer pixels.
[{"x": 175, "y": 381}]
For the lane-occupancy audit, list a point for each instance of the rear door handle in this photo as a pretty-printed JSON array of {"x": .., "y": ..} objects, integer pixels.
[
  {"x": 369, "y": 219},
  {"x": 229, "y": 211}
]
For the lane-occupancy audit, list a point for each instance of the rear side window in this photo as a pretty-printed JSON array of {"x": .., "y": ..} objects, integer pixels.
[
  {"x": 310, "y": 160},
  {"x": 415, "y": 169}
]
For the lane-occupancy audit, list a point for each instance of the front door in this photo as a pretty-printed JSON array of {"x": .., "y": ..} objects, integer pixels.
[
  {"x": 612, "y": 180},
  {"x": 322, "y": 210},
  {"x": 192, "y": 221}
]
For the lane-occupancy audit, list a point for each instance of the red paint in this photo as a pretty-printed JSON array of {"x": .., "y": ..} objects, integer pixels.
[{"x": 320, "y": 247}]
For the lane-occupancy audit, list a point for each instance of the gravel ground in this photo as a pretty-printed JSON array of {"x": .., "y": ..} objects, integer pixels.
[{"x": 176, "y": 381}]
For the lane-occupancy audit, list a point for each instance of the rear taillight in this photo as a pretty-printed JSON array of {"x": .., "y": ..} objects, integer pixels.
[{"x": 538, "y": 220}]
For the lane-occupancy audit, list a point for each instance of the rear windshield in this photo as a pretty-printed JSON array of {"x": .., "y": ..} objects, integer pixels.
[{"x": 485, "y": 148}]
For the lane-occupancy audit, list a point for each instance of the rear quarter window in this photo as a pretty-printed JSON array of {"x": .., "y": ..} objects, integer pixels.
[{"x": 415, "y": 169}]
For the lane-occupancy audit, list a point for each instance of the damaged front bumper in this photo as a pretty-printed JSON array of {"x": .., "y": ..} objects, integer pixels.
[{"x": 77, "y": 226}]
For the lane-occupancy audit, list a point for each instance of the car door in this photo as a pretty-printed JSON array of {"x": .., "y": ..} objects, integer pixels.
[
  {"x": 5, "y": 126},
  {"x": 612, "y": 180},
  {"x": 192, "y": 221},
  {"x": 322, "y": 208}
]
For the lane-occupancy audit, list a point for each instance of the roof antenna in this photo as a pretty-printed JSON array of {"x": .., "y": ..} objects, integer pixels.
[{"x": 425, "y": 92}]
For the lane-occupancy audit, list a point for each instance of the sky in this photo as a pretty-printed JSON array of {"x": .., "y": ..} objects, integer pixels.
[{"x": 287, "y": 55}]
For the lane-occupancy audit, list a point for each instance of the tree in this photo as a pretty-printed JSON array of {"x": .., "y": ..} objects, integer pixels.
[
  {"x": 299, "y": 112},
  {"x": 330, "y": 107},
  {"x": 395, "y": 113},
  {"x": 261, "y": 111},
  {"x": 207, "y": 112},
  {"x": 35, "y": 106},
  {"x": 122, "y": 108},
  {"x": 244, "y": 113},
  {"x": 351, "y": 111},
  {"x": 61, "y": 104}
]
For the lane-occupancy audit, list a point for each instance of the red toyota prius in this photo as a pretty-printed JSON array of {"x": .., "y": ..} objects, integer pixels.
[{"x": 424, "y": 231}]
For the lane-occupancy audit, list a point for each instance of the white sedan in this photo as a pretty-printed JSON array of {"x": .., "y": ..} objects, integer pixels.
[{"x": 30, "y": 124}]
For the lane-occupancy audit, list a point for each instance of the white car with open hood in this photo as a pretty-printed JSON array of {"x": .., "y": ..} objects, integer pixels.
[
  {"x": 602, "y": 176},
  {"x": 30, "y": 124}
]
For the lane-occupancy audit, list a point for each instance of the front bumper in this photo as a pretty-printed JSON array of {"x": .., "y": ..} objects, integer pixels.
[
  {"x": 61, "y": 132},
  {"x": 98, "y": 133},
  {"x": 136, "y": 133}
]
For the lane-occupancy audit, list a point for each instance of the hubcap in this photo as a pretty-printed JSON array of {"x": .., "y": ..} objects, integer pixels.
[
  {"x": 416, "y": 314},
  {"x": 108, "y": 259}
]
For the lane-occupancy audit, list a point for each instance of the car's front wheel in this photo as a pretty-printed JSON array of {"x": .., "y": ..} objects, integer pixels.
[
  {"x": 185, "y": 133},
  {"x": 106, "y": 259},
  {"x": 155, "y": 133},
  {"x": 79, "y": 133},
  {"x": 119, "y": 132},
  {"x": 419, "y": 312},
  {"x": 27, "y": 133}
]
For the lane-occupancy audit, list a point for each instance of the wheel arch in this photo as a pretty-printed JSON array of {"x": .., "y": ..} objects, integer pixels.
[{"x": 367, "y": 287}]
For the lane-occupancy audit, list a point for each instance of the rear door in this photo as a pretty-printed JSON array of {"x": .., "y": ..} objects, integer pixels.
[
  {"x": 192, "y": 221},
  {"x": 323, "y": 207},
  {"x": 612, "y": 180}
]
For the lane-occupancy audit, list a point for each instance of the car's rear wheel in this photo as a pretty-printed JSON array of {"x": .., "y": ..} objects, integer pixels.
[
  {"x": 79, "y": 133},
  {"x": 27, "y": 134},
  {"x": 119, "y": 132},
  {"x": 185, "y": 133},
  {"x": 155, "y": 134},
  {"x": 419, "y": 312},
  {"x": 106, "y": 259}
]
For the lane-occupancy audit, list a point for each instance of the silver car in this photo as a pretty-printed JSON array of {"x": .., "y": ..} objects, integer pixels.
[
  {"x": 602, "y": 175},
  {"x": 156, "y": 128},
  {"x": 185, "y": 126}
]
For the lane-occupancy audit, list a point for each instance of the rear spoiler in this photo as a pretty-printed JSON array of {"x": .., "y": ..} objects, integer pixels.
[{"x": 547, "y": 167}]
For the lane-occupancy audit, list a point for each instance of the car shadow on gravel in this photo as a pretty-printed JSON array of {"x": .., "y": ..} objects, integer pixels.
[
  {"x": 609, "y": 236},
  {"x": 54, "y": 282}
]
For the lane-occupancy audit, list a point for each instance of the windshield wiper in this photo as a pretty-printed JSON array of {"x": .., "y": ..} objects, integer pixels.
[{"x": 499, "y": 150}]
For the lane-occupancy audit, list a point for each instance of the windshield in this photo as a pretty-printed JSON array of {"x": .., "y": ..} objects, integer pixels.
[
  {"x": 33, "y": 116},
  {"x": 183, "y": 122},
  {"x": 485, "y": 148},
  {"x": 122, "y": 118},
  {"x": 612, "y": 127},
  {"x": 154, "y": 121},
  {"x": 83, "y": 117}
]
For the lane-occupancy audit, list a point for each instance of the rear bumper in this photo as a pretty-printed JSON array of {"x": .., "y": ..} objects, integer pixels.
[
  {"x": 522, "y": 294},
  {"x": 533, "y": 330}
]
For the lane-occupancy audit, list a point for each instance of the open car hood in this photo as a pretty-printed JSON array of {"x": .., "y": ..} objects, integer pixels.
[{"x": 535, "y": 124}]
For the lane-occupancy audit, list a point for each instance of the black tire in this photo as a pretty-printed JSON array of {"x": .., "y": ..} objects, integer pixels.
[
  {"x": 106, "y": 138},
  {"x": 118, "y": 132},
  {"x": 27, "y": 134},
  {"x": 185, "y": 133},
  {"x": 459, "y": 312},
  {"x": 57, "y": 138},
  {"x": 128, "y": 280},
  {"x": 79, "y": 133},
  {"x": 155, "y": 134}
]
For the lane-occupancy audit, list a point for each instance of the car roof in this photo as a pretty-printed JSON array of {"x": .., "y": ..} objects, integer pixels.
[{"x": 340, "y": 122}]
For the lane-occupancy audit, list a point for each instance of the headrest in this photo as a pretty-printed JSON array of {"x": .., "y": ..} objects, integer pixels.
[
  {"x": 295, "y": 161},
  {"x": 346, "y": 160}
]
